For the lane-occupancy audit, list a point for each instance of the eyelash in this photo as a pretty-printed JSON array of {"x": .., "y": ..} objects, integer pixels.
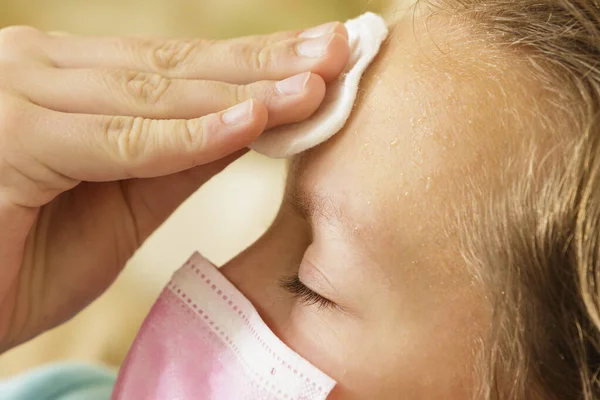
[{"x": 294, "y": 285}]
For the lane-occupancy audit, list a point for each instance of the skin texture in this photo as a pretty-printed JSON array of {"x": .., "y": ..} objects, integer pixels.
[
  {"x": 367, "y": 222},
  {"x": 101, "y": 139}
]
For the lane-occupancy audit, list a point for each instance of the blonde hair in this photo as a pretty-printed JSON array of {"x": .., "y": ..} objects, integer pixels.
[{"x": 538, "y": 240}]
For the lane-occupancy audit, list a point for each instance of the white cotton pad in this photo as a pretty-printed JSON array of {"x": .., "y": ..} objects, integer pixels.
[{"x": 366, "y": 33}]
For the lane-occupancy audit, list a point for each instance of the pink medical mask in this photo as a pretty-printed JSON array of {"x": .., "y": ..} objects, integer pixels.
[{"x": 203, "y": 340}]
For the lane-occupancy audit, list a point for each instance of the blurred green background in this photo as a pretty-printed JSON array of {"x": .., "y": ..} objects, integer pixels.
[{"x": 214, "y": 220}]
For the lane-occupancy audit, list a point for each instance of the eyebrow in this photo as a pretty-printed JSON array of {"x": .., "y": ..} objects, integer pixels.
[{"x": 316, "y": 206}]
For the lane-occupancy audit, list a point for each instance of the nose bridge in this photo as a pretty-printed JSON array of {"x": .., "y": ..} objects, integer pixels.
[
  {"x": 258, "y": 280},
  {"x": 257, "y": 272}
]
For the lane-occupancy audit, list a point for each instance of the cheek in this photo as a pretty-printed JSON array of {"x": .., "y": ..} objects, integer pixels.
[
  {"x": 337, "y": 344},
  {"x": 313, "y": 334}
]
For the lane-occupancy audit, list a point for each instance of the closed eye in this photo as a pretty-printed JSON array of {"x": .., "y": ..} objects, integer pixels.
[{"x": 294, "y": 285}]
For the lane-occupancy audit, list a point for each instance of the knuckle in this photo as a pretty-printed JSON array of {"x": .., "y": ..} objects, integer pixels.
[
  {"x": 263, "y": 41},
  {"x": 193, "y": 134},
  {"x": 255, "y": 58},
  {"x": 172, "y": 55},
  {"x": 19, "y": 33},
  {"x": 227, "y": 93},
  {"x": 144, "y": 88},
  {"x": 14, "y": 39},
  {"x": 240, "y": 93},
  {"x": 126, "y": 137}
]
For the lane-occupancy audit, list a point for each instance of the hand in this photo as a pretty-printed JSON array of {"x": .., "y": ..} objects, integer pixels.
[{"x": 101, "y": 139}]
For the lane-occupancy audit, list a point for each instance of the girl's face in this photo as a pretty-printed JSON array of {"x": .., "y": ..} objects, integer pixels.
[{"x": 384, "y": 303}]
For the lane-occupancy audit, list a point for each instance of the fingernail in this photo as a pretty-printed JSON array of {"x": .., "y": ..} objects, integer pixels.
[
  {"x": 293, "y": 85},
  {"x": 315, "y": 47},
  {"x": 319, "y": 30},
  {"x": 239, "y": 113}
]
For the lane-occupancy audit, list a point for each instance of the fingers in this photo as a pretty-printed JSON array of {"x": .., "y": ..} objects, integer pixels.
[
  {"x": 324, "y": 51},
  {"x": 94, "y": 91},
  {"x": 314, "y": 32},
  {"x": 102, "y": 148}
]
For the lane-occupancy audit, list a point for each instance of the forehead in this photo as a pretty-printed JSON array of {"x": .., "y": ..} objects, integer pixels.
[{"x": 426, "y": 124}]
